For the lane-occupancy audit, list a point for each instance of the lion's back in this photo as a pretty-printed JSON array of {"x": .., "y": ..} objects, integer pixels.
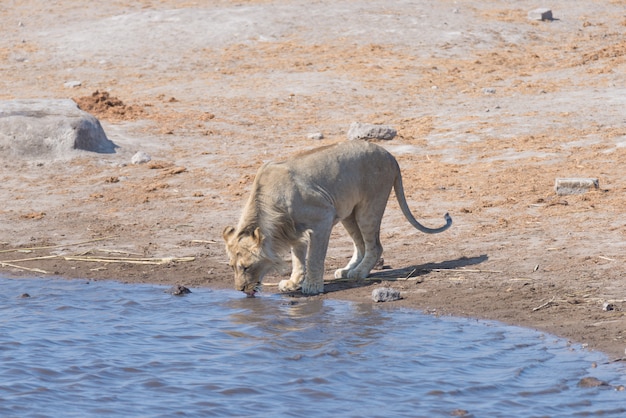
[{"x": 348, "y": 159}]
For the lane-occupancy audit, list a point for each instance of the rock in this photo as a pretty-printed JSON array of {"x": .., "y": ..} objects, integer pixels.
[
  {"x": 178, "y": 290},
  {"x": 540, "y": 14},
  {"x": 575, "y": 185},
  {"x": 385, "y": 294},
  {"x": 489, "y": 90},
  {"x": 72, "y": 84},
  {"x": 49, "y": 128},
  {"x": 367, "y": 131},
  {"x": 591, "y": 382},
  {"x": 316, "y": 136},
  {"x": 140, "y": 158},
  {"x": 607, "y": 306}
]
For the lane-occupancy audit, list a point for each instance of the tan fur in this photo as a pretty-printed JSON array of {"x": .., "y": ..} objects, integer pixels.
[{"x": 294, "y": 205}]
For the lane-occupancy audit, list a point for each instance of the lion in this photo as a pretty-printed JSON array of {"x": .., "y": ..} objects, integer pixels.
[{"x": 294, "y": 205}]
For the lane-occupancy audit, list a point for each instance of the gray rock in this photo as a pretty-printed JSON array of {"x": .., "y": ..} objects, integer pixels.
[
  {"x": 540, "y": 14},
  {"x": 385, "y": 294},
  {"x": 178, "y": 290},
  {"x": 140, "y": 158},
  {"x": 591, "y": 382},
  {"x": 575, "y": 185},
  {"x": 367, "y": 131},
  {"x": 316, "y": 136},
  {"x": 72, "y": 84},
  {"x": 49, "y": 129}
]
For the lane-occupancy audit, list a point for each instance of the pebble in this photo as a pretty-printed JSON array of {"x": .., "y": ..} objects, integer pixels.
[
  {"x": 606, "y": 306},
  {"x": 575, "y": 185},
  {"x": 72, "y": 84},
  {"x": 591, "y": 382},
  {"x": 140, "y": 158},
  {"x": 178, "y": 290},
  {"x": 385, "y": 294},
  {"x": 540, "y": 14},
  {"x": 366, "y": 131},
  {"x": 316, "y": 136}
]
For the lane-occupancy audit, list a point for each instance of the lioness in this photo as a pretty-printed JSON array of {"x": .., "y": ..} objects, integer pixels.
[{"x": 295, "y": 204}]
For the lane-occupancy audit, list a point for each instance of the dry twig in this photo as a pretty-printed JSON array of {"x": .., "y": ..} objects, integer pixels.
[
  {"x": 35, "y": 270},
  {"x": 548, "y": 303},
  {"x": 54, "y": 246},
  {"x": 156, "y": 261}
]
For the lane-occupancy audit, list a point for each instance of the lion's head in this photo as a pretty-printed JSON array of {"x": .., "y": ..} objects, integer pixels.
[{"x": 247, "y": 258}]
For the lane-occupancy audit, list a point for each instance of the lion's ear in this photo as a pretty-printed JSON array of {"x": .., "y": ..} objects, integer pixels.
[
  {"x": 228, "y": 232},
  {"x": 258, "y": 237}
]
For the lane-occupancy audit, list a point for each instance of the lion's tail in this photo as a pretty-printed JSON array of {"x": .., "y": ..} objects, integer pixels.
[{"x": 399, "y": 189}]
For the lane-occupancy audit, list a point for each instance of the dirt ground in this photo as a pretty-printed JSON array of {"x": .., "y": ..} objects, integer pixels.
[{"x": 490, "y": 107}]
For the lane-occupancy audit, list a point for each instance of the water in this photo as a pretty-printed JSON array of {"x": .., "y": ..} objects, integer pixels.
[{"x": 80, "y": 349}]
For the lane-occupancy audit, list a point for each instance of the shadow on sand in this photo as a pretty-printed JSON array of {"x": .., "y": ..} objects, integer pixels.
[{"x": 400, "y": 274}]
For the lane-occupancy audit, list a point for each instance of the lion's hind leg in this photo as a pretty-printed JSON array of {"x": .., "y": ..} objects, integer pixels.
[
  {"x": 368, "y": 220},
  {"x": 352, "y": 227}
]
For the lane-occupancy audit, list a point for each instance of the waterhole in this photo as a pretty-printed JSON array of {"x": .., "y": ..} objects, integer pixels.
[{"x": 79, "y": 349}]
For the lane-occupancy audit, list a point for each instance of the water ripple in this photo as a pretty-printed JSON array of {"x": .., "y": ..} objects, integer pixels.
[{"x": 80, "y": 349}]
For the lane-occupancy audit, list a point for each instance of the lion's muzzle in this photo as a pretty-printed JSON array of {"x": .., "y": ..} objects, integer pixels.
[{"x": 250, "y": 289}]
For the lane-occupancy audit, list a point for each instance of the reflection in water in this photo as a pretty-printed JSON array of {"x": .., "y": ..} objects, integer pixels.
[
  {"x": 77, "y": 349},
  {"x": 282, "y": 323}
]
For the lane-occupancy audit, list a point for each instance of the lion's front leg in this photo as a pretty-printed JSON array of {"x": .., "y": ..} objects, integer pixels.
[
  {"x": 314, "y": 275},
  {"x": 298, "y": 260}
]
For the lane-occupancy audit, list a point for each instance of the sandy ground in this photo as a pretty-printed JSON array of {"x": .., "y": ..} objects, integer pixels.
[{"x": 491, "y": 108}]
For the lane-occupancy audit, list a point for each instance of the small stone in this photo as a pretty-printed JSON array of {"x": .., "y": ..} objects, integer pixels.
[
  {"x": 540, "y": 14},
  {"x": 316, "y": 136},
  {"x": 591, "y": 382},
  {"x": 72, "y": 84},
  {"x": 385, "y": 294},
  {"x": 575, "y": 185},
  {"x": 140, "y": 158},
  {"x": 367, "y": 131},
  {"x": 489, "y": 90},
  {"x": 178, "y": 290}
]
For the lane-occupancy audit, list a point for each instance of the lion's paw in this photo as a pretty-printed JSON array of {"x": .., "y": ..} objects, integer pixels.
[
  {"x": 357, "y": 274},
  {"x": 341, "y": 273},
  {"x": 287, "y": 286},
  {"x": 312, "y": 288}
]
